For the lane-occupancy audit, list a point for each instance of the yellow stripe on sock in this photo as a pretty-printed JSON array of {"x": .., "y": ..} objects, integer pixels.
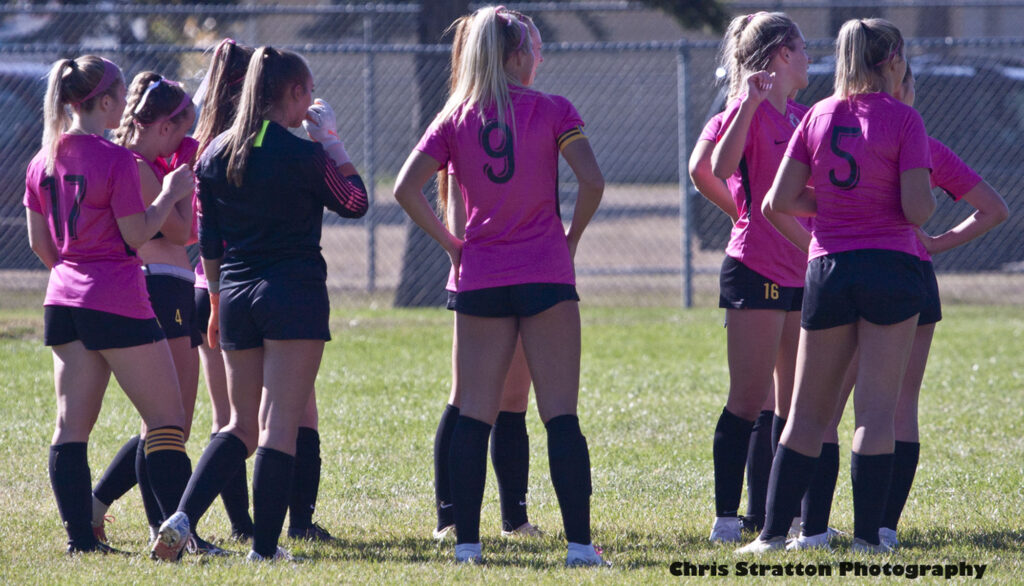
[{"x": 165, "y": 438}]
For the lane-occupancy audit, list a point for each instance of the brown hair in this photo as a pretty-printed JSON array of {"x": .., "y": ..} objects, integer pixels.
[
  {"x": 163, "y": 100},
  {"x": 224, "y": 80},
  {"x": 270, "y": 75}
]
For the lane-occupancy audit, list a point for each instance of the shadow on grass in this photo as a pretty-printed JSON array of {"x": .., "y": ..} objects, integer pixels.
[
  {"x": 1001, "y": 540},
  {"x": 543, "y": 553}
]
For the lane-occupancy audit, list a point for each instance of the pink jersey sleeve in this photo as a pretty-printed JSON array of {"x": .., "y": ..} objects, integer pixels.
[
  {"x": 797, "y": 148},
  {"x": 949, "y": 172},
  {"x": 123, "y": 185},
  {"x": 31, "y": 200},
  {"x": 435, "y": 142},
  {"x": 713, "y": 129},
  {"x": 914, "y": 151},
  {"x": 570, "y": 117}
]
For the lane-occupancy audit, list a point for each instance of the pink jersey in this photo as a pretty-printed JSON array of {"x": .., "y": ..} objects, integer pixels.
[
  {"x": 713, "y": 129},
  {"x": 856, "y": 149},
  {"x": 754, "y": 240},
  {"x": 96, "y": 182},
  {"x": 951, "y": 174},
  {"x": 514, "y": 233}
]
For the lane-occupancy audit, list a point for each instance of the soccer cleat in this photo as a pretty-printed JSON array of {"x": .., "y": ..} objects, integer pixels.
[
  {"x": 198, "y": 546},
  {"x": 314, "y": 532},
  {"x": 819, "y": 541},
  {"x": 171, "y": 538},
  {"x": 444, "y": 532},
  {"x": 525, "y": 530},
  {"x": 468, "y": 553},
  {"x": 100, "y": 530},
  {"x": 751, "y": 523},
  {"x": 726, "y": 530},
  {"x": 861, "y": 546},
  {"x": 240, "y": 536},
  {"x": 100, "y": 548},
  {"x": 887, "y": 537},
  {"x": 281, "y": 555},
  {"x": 764, "y": 545},
  {"x": 582, "y": 556}
]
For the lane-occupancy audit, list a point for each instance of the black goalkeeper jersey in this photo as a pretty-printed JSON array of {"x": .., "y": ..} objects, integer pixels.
[{"x": 271, "y": 225}]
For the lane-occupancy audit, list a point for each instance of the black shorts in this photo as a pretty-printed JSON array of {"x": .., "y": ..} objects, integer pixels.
[
  {"x": 883, "y": 287},
  {"x": 281, "y": 309},
  {"x": 98, "y": 330},
  {"x": 172, "y": 296},
  {"x": 741, "y": 287},
  {"x": 202, "y": 301},
  {"x": 512, "y": 300},
  {"x": 931, "y": 309}
]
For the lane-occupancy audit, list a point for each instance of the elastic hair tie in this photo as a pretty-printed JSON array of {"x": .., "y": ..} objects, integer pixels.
[
  {"x": 751, "y": 16},
  {"x": 110, "y": 74},
  {"x": 185, "y": 101}
]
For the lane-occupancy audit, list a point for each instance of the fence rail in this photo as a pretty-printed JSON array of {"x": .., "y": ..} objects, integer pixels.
[{"x": 654, "y": 240}]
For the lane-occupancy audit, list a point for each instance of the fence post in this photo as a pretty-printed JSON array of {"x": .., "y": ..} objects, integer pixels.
[
  {"x": 369, "y": 153},
  {"x": 686, "y": 224}
]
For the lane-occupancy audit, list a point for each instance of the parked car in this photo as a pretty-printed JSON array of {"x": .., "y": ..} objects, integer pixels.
[
  {"x": 22, "y": 87},
  {"x": 975, "y": 105}
]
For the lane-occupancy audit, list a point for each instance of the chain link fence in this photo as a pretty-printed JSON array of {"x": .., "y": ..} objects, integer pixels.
[{"x": 643, "y": 93}]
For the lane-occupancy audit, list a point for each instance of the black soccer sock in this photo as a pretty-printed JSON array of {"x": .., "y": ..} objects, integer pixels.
[
  {"x": 778, "y": 424},
  {"x": 817, "y": 501},
  {"x": 732, "y": 436},
  {"x": 569, "y": 461},
  {"x": 510, "y": 455},
  {"x": 235, "y": 496},
  {"x": 154, "y": 516},
  {"x": 305, "y": 480},
  {"x": 871, "y": 476},
  {"x": 467, "y": 474},
  {"x": 759, "y": 466},
  {"x": 70, "y": 480},
  {"x": 791, "y": 473},
  {"x": 904, "y": 467},
  {"x": 168, "y": 467},
  {"x": 119, "y": 477},
  {"x": 219, "y": 463},
  {"x": 271, "y": 484},
  {"x": 442, "y": 474}
]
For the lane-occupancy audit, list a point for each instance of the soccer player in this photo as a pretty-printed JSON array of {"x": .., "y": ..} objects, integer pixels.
[
  {"x": 514, "y": 270},
  {"x": 866, "y": 156},
  {"x": 262, "y": 192},
  {"x": 86, "y": 219},
  {"x": 510, "y": 444},
  {"x": 962, "y": 184},
  {"x": 153, "y": 127},
  {"x": 763, "y": 271},
  {"x": 218, "y": 98}
]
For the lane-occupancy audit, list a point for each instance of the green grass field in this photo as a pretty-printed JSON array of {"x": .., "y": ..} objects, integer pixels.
[{"x": 653, "y": 384}]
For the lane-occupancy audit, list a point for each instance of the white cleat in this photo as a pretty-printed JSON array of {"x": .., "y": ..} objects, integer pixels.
[
  {"x": 281, "y": 555},
  {"x": 887, "y": 537},
  {"x": 819, "y": 541},
  {"x": 759, "y": 545},
  {"x": 525, "y": 530},
  {"x": 171, "y": 538},
  {"x": 727, "y": 530},
  {"x": 469, "y": 553},
  {"x": 444, "y": 532},
  {"x": 861, "y": 546},
  {"x": 581, "y": 556}
]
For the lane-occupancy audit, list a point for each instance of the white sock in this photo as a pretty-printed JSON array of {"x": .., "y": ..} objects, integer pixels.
[{"x": 98, "y": 511}]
